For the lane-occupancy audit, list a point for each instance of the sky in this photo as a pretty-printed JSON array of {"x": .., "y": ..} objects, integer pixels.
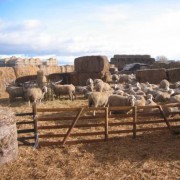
[{"x": 67, "y": 29}]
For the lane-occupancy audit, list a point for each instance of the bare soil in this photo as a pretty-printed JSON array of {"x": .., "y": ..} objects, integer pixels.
[{"x": 152, "y": 155}]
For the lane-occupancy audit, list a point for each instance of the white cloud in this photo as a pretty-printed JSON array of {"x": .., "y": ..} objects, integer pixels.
[
  {"x": 115, "y": 29},
  {"x": 31, "y": 24}
]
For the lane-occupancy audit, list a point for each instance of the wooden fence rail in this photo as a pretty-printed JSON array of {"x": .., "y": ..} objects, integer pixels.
[{"x": 60, "y": 126}]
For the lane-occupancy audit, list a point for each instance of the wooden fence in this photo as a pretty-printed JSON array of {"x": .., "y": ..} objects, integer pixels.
[{"x": 78, "y": 125}]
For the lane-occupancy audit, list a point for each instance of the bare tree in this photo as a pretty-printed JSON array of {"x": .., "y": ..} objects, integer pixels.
[{"x": 162, "y": 59}]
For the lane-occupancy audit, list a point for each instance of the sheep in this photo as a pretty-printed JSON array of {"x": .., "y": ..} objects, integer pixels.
[
  {"x": 89, "y": 82},
  {"x": 68, "y": 89},
  {"x": 14, "y": 92},
  {"x": 34, "y": 94},
  {"x": 115, "y": 78},
  {"x": 164, "y": 84},
  {"x": 163, "y": 96},
  {"x": 150, "y": 102},
  {"x": 127, "y": 78},
  {"x": 102, "y": 86},
  {"x": 172, "y": 99},
  {"x": 117, "y": 100},
  {"x": 139, "y": 101},
  {"x": 97, "y": 81},
  {"x": 98, "y": 99}
]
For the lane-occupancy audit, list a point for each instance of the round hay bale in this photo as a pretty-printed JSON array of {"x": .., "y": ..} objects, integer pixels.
[{"x": 8, "y": 136}]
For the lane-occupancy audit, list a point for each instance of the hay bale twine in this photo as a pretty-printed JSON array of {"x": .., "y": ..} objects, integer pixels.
[
  {"x": 154, "y": 76},
  {"x": 8, "y": 136}
]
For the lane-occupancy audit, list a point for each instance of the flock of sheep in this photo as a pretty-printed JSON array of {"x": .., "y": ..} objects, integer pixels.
[{"x": 123, "y": 91}]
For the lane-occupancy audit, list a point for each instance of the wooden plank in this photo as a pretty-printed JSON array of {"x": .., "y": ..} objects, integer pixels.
[
  {"x": 57, "y": 109},
  {"x": 25, "y": 122},
  {"x": 60, "y": 118},
  {"x": 24, "y": 114},
  {"x": 171, "y": 105},
  {"x": 147, "y": 107},
  {"x": 67, "y": 126},
  {"x": 106, "y": 123},
  {"x": 72, "y": 126},
  {"x": 157, "y": 121},
  {"x": 118, "y": 108},
  {"x": 151, "y": 129},
  {"x": 22, "y": 131},
  {"x": 121, "y": 131},
  {"x": 72, "y": 134}
]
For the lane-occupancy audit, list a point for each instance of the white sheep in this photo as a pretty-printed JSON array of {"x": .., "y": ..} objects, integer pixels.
[
  {"x": 34, "y": 95},
  {"x": 102, "y": 86},
  {"x": 117, "y": 100},
  {"x": 14, "y": 92},
  {"x": 98, "y": 99},
  {"x": 68, "y": 89}
]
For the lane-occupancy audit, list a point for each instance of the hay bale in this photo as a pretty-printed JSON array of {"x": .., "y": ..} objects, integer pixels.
[
  {"x": 173, "y": 75},
  {"x": 6, "y": 75},
  {"x": 154, "y": 76},
  {"x": 91, "y": 64},
  {"x": 25, "y": 70},
  {"x": 8, "y": 136}
]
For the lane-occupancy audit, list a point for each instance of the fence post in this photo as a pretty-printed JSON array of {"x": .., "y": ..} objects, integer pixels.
[
  {"x": 134, "y": 121},
  {"x": 106, "y": 123},
  {"x": 35, "y": 125}
]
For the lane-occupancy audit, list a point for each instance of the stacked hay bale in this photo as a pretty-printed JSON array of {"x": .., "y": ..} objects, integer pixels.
[
  {"x": 121, "y": 60},
  {"x": 173, "y": 75},
  {"x": 7, "y": 75},
  {"x": 21, "y": 71},
  {"x": 91, "y": 67},
  {"x": 8, "y": 136},
  {"x": 154, "y": 76}
]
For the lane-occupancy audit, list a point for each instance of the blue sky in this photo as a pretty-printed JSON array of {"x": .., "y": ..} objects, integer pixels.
[{"x": 73, "y": 28}]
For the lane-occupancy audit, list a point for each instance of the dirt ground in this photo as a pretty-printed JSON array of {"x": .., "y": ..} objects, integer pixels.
[{"x": 152, "y": 155}]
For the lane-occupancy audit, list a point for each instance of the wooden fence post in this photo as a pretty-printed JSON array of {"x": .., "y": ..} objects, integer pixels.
[
  {"x": 134, "y": 121},
  {"x": 35, "y": 125},
  {"x": 106, "y": 123}
]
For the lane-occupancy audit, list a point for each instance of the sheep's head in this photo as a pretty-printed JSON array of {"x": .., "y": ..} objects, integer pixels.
[
  {"x": 149, "y": 96},
  {"x": 131, "y": 99}
]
